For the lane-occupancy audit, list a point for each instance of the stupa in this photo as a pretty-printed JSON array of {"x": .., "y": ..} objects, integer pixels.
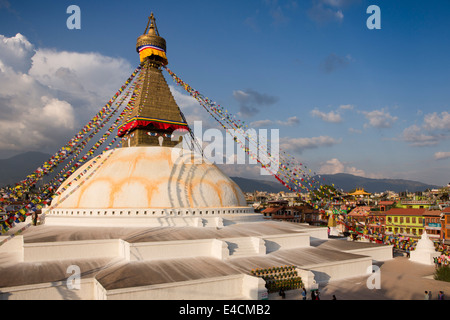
[
  {"x": 149, "y": 181},
  {"x": 150, "y": 224},
  {"x": 424, "y": 251}
]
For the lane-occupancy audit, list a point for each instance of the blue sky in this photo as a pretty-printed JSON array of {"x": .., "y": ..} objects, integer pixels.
[{"x": 345, "y": 98}]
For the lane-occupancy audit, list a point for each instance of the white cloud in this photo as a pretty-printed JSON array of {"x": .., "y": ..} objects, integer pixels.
[
  {"x": 346, "y": 107},
  {"x": 323, "y": 14},
  {"x": 334, "y": 166},
  {"x": 353, "y": 130},
  {"x": 46, "y": 95},
  {"x": 434, "y": 121},
  {"x": 61, "y": 113},
  {"x": 291, "y": 121},
  {"x": 442, "y": 155},
  {"x": 379, "y": 119},
  {"x": 416, "y": 138},
  {"x": 16, "y": 52},
  {"x": 300, "y": 144},
  {"x": 434, "y": 129},
  {"x": 324, "y": 11},
  {"x": 261, "y": 123},
  {"x": 90, "y": 77},
  {"x": 332, "y": 116}
]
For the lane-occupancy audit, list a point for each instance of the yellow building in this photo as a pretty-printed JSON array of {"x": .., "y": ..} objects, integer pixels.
[{"x": 406, "y": 222}]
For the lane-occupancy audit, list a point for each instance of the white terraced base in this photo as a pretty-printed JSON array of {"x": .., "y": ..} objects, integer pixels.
[{"x": 173, "y": 263}]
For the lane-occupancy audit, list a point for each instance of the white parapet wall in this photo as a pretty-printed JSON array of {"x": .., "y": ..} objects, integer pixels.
[
  {"x": 339, "y": 270},
  {"x": 116, "y": 248},
  {"x": 378, "y": 253},
  {"x": 86, "y": 249},
  {"x": 317, "y": 232},
  {"x": 218, "y": 288},
  {"x": 88, "y": 290},
  {"x": 286, "y": 241},
  {"x": 178, "y": 249}
]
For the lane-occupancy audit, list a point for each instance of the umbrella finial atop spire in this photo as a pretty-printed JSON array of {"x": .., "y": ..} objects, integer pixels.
[{"x": 151, "y": 44}]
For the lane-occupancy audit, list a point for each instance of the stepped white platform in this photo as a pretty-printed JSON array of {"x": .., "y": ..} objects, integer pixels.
[
  {"x": 425, "y": 251},
  {"x": 174, "y": 262}
]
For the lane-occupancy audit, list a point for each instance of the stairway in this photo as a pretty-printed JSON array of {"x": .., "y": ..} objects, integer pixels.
[{"x": 244, "y": 247}]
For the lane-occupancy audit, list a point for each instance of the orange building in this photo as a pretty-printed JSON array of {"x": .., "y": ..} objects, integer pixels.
[
  {"x": 432, "y": 224},
  {"x": 376, "y": 222}
]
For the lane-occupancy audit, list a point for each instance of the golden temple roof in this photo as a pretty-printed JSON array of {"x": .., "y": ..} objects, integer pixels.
[{"x": 359, "y": 192}]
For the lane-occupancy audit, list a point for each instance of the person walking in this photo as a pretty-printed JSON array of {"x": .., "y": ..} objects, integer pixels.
[
  {"x": 282, "y": 293},
  {"x": 426, "y": 297},
  {"x": 441, "y": 295},
  {"x": 304, "y": 293}
]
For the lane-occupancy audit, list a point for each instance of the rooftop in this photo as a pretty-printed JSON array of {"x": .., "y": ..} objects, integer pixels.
[{"x": 406, "y": 212}]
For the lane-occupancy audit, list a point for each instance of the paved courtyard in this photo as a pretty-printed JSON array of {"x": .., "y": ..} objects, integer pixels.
[{"x": 400, "y": 279}]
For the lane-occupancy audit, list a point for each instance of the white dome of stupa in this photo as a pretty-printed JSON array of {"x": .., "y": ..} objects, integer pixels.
[{"x": 148, "y": 181}]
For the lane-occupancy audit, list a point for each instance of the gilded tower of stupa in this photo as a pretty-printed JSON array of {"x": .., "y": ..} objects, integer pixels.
[{"x": 155, "y": 115}]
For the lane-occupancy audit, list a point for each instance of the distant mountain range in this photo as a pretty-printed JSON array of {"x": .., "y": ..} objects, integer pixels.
[
  {"x": 346, "y": 182},
  {"x": 14, "y": 169},
  {"x": 18, "y": 167},
  {"x": 349, "y": 182}
]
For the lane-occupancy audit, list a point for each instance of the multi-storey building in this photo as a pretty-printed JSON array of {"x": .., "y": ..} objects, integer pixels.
[
  {"x": 407, "y": 222},
  {"x": 432, "y": 224},
  {"x": 415, "y": 204},
  {"x": 303, "y": 214},
  {"x": 376, "y": 222}
]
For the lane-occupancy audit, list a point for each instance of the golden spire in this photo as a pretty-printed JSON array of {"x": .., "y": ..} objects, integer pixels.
[
  {"x": 153, "y": 28},
  {"x": 151, "y": 44},
  {"x": 155, "y": 115}
]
